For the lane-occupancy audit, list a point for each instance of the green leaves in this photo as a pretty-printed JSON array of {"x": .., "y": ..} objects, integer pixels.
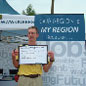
[{"x": 29, "y": 10}]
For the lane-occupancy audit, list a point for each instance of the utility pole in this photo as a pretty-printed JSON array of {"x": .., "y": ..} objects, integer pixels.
[{"x": 52, "y": 7}]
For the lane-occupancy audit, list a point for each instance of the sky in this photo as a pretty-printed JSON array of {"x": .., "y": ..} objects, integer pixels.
[{"x": 44, "y": 6}]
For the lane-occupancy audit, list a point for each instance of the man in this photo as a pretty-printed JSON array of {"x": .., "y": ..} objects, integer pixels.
[{"x": 30, "y": 74}]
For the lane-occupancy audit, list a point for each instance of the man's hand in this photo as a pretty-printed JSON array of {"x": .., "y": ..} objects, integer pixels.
[
  {"x": 51, "y": 55},
  {"x": 15, "y": 53},
  {"x": 46, "y": 67},
  {"x": 14, "y": 58}
]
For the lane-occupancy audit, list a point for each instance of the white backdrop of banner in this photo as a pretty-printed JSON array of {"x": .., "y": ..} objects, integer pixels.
[
  {"x": 15, "y": 22},
  {"x": 69, "y": 68}
]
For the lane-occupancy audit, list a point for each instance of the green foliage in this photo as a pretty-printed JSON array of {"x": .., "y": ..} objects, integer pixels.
[
  {"x": 29, "y": 10},
  {"x": 0, "y": 16}
]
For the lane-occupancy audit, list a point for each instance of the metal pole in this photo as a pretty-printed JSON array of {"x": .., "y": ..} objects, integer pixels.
[{"x": 52, "y": 7}]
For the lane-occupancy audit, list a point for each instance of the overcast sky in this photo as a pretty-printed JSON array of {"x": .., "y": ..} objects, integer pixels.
[{"x": 44, "y": 6}]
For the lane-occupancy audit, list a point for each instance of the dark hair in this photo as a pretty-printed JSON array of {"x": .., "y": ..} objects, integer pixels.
[{"x": 34, "y": 27}]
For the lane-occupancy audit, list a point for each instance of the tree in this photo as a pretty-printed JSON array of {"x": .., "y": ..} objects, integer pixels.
[{"x": 29, "y": 10}]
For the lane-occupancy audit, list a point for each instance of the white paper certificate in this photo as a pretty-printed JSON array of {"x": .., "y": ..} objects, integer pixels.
[{"x": 33, "y": 54}]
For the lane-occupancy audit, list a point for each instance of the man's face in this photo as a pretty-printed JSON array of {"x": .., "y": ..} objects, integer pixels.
[{"x": 32, "y": 35}]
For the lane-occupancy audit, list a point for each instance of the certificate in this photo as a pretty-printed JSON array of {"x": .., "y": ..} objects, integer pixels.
[{"x": 33, "y": 54}]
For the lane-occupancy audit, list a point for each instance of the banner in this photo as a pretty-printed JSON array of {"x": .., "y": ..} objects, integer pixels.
[
  {"x": 16, "y": 22},
  {"x": 69, "y": 68},
  {"x": 61, "y": 27}
]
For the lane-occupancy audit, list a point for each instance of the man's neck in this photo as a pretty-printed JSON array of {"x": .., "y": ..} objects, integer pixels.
[{"x": 32, "y": 43}]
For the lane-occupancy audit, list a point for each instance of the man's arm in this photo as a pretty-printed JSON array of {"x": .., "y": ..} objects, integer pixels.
[
  {"x": 15, "y": 61},
  {"x": 48, "y": 66}
]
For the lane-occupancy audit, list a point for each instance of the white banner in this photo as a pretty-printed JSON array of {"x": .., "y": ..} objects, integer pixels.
[
  {"x": 33, "y": 54},
  {"x": 16, "y": 22},
  {"x": 69, "y": 68}
]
